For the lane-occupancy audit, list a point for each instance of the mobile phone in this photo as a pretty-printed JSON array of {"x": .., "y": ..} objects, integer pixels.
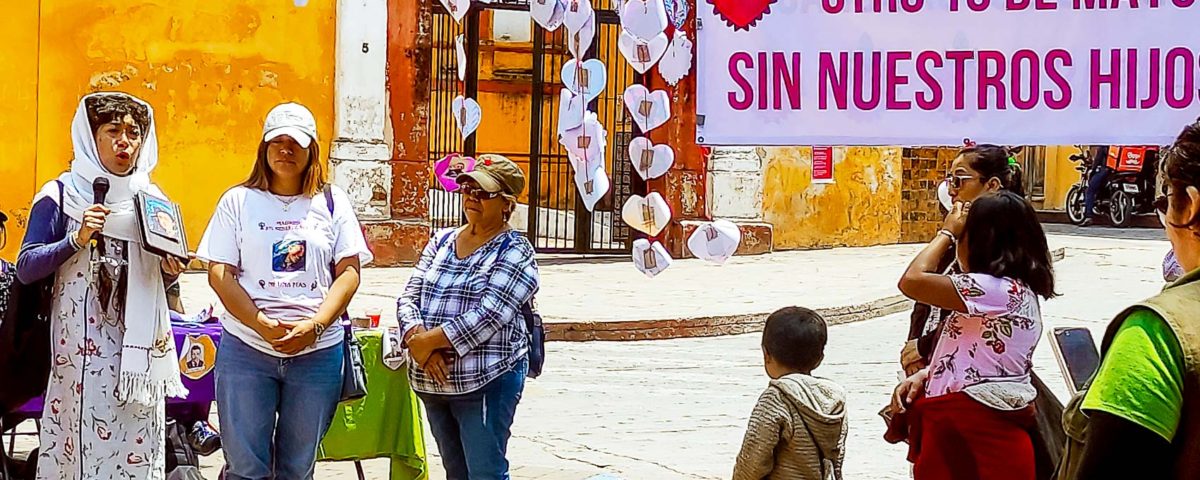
[{"x": 1077, "y": 356}]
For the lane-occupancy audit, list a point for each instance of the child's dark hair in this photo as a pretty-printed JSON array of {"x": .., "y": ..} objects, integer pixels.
[
  {"x": 1181, "y": 168},
  {"x": 795, "y": 337},
  {"x": 104, "y": 109},
  {"x": 1005, "y": 239},
  {"x": 994, "y": 161}
]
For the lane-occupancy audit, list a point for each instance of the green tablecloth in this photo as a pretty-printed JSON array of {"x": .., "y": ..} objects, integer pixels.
[{"x": 386, "y": 424}]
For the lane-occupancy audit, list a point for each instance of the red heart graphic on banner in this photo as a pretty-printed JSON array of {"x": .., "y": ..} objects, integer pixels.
[{"x": 741, "y": 14}]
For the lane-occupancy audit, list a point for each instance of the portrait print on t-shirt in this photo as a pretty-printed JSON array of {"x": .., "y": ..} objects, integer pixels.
[{"x": 289, "y": 256}]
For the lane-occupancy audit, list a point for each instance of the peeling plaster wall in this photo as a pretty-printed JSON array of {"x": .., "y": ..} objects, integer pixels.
[
  {"x": 211, "y": 70},
  {"x": 861, "y": 207},
  {"x": 18, "y": 123}
]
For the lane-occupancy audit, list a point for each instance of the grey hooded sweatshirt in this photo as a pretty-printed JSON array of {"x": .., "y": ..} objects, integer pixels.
[{"x": 797, "y": 432}]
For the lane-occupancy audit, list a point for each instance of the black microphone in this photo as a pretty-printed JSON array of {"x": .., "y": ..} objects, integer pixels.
[{"x": 99, "y": 190}]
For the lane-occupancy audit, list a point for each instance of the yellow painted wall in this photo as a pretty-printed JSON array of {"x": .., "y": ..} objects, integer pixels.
[
  {"x": 18, "y": 122},
  {"x": 1060, "y": 175},
  {"x": 210, "y": 69},
  {"x": 861, "y": 207}
]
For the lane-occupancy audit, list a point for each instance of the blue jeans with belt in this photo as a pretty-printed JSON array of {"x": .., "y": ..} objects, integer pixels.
[
  {"x": 274, "y": 411},
  {"x": 472, "y": 429}
]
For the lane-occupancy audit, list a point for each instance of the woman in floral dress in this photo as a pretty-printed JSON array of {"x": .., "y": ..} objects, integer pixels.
[
  {"x": 970, "y": 411},
  {"x": 113, "y": 356}
]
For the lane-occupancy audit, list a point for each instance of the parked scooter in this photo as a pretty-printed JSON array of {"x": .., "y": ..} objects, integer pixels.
[{"x": 1128, "y": 191}]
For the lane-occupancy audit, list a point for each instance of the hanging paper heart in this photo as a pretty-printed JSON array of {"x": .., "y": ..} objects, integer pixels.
[
  {"x": 650, "y": 161},
  {"x": 198, "y": 356},
  {"x": 579, "y": 41},
  {"x": 677, "y": 62},
  {"x": 462, "y": 58},
  {"x": 649, "y": 215},
  {"x": 741, "y": 14},
  {"x": 449, "y": 168},
  {"x": 587, "y": 141},
  {"x": 588, "y": 78},
  {"x": 467, "y": 115},
  {"x": 592, "y": 186},
  {"x": 677, "y": 12},
  {"x": 642, "y": 54},
  {"x": 457, "y": 8},
  {"x": 572, "y": 109},
  {"x": 546, "y": 12},
  {"x": 650, "y": 258},
  {"x": 715, "y": 242},
  {"x": 577, "y": 13},
  {"x": 649, "y": 110},
  {"x": 645, "y": 19}
]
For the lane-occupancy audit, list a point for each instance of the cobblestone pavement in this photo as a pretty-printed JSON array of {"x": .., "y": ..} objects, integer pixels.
[{"x": 677, "y": 408}]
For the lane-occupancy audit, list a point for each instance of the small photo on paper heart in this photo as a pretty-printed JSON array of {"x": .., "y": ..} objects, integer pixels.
[
  {"x": 467, "y": 115},
  {"x": 677, "y": 12},
  {"x": 649, "y": 110},
  {"x": 642, "y": 54},
  {"x": 592, "y": 186},
  {"x": 649, "y": 214},
  {"x": 572, "y": 109},
  {"x": 547, "y": 13},
  {"x": 587, "y": 78},
  {"x": 579, "y": 41},
  {"x": 578, "y": 12},
  {"x": 645, "y": 19},
  {"x": 197, "y": 356},
  {"x": 650, "y": 161},
  {"x": 449, "y": 168},
  {"x": 677, "y": 62},
  {"x": 457, "y": 8},
  {"x": 650, "y": 258},
  {"x": 587, "y": 141},
  {"x": 715, "y": 242},
  {"x": 461, "y": 52}
]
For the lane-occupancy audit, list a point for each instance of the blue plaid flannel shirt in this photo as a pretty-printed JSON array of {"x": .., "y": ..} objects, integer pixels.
[{"x": 477, "y": 302}]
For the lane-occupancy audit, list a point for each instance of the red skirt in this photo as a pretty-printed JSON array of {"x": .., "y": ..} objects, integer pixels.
[{"x": 954, "y": 437}]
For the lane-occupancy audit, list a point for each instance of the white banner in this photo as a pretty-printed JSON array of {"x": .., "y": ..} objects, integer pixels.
[{"x": 933, "y": 72}]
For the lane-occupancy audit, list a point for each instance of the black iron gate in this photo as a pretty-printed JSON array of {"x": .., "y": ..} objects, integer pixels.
[{"x": 555, "y": 217}]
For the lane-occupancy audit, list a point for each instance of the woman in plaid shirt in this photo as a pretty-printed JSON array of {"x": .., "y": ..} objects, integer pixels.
[{"x": 461, "y": 323}]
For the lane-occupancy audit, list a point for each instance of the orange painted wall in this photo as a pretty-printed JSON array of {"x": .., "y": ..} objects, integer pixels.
[
  {"x": 18, "y": 123},
  {"x": 211, "y": 70}
]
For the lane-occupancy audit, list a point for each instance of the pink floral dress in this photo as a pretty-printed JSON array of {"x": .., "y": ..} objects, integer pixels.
[{"x": 992, "y": 342}]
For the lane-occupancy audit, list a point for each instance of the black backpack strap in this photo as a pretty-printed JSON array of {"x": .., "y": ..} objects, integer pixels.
[
  {"x": 329, "y": 198},
  {"x": 328, "y": 191},
  {"x": 62, "y": 208}
]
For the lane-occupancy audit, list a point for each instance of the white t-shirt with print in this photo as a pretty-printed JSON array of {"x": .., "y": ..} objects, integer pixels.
[{"x": 283, "y": 248}]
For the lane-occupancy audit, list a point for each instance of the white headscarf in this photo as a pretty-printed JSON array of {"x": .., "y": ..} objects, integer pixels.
[{"x": 149, "y": 370}]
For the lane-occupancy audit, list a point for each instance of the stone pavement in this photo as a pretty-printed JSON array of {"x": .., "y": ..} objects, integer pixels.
[{"x": 677, "y": 408}]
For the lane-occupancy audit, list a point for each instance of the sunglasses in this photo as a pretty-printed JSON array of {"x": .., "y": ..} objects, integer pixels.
[
  {"x": 956, "y": 181},
  {"x": 1161, "y": 203},
  {"x": 477, "y": 192}
]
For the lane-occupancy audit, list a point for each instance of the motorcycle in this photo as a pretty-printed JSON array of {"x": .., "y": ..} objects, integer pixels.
[{"x": 1128, "y": 191}]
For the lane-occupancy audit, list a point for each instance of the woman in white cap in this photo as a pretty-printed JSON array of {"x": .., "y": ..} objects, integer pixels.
[
  {"x": 461, "y": 316},
  {"x": 284, "y": 250},
  {"x": 113, "y": 356}
]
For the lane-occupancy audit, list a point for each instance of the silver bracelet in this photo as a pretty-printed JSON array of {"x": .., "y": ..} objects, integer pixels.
[{"x": 948, "y": 234}]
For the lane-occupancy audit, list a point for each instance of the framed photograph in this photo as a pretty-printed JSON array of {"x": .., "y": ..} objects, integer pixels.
[{"x": 162, "y": 226}]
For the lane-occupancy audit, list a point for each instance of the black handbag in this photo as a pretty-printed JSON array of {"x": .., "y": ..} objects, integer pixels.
[
  {"x": 25, "y": 332},
  {"x": 354, "y": 370}
]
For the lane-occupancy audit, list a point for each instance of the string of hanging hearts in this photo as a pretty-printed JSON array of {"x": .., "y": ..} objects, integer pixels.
[{"x": 644, "y": 42}]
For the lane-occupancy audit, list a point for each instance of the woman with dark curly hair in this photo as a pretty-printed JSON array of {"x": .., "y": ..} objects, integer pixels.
[{"x": 113, "y": 357}]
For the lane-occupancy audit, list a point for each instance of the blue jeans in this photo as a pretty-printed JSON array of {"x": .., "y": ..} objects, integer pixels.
[
  {"x": 472, "y": 429},
  {"x": 274, "y": 411}
]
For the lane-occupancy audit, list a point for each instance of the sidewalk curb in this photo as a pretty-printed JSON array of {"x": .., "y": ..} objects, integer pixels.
[{"x": 634, "y": 330}]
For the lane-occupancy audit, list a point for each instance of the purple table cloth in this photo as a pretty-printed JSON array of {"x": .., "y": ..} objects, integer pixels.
[{"x": 196, "y": 345}]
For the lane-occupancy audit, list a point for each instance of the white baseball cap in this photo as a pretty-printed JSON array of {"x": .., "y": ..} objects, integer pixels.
[{"x": 293, "y": 120}]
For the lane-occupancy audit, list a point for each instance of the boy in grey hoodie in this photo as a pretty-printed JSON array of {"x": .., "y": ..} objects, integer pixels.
[{"x": 798, "y": 428}]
